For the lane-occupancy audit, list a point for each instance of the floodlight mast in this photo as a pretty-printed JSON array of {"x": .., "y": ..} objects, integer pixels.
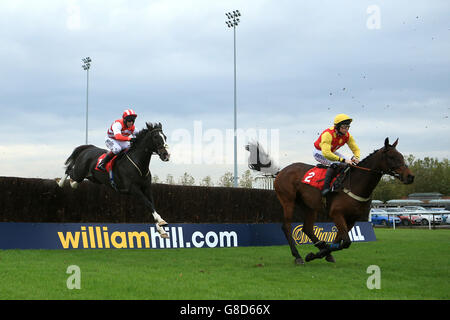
[
  {"x": 86, "y": 66},
  {"x": 233, "y": 22}
]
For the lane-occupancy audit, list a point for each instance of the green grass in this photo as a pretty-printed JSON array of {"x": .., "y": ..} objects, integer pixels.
[{"x": 414, "y": 264}]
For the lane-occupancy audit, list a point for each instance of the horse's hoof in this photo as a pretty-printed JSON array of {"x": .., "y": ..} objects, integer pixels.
[
  {"x": 310, "y": 256},
  {"x": 73, "y": 184},
  {"x": 162, "y": 223},
  {"x": 330, "y": 258},
  {"x": 59, "y": 182},
  {"x": 299, "y": 261}
]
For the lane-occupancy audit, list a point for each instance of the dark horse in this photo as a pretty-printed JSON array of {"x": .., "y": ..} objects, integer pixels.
[
  {"x": 130, "y": 172},
  {"x": 344, "y": 206}
]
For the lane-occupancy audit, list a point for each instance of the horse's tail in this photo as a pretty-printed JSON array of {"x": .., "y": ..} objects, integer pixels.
[
  {"x": 260, "y": 160},
  {"x": 73, "y": 157}
]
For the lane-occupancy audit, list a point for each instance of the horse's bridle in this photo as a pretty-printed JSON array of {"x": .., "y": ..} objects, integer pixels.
[{"x": 162, "y": 147}]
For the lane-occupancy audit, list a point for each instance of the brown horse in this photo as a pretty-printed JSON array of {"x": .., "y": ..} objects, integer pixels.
[{"x": 344, "y": 206}]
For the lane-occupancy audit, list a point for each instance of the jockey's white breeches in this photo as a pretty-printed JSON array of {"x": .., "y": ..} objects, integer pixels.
[
  {"x": 116, "y": 145},
  {"x": 317, "y": 154}
]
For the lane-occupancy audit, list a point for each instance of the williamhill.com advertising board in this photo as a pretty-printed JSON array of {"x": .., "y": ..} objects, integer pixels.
[{"x": 145, "y": 236}]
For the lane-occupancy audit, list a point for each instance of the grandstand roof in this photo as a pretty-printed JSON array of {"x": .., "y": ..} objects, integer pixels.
[
  {"x": 404, "y": 202},
  {"x": 425, "y": 195}
]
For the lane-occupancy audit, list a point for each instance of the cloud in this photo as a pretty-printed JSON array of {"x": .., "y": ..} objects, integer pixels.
[
  {"x": 73, "y": 16},
  {"x": 298, "y": 65}
]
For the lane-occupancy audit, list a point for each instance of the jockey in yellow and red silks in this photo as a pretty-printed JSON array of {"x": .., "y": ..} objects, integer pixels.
[{"x": 326, "y": 146}]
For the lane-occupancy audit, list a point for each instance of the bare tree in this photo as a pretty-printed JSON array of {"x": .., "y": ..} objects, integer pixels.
[
  {"x": 207, "y": 182},
  {"x": 246, "y": 180},
  {"x": 226, "y": 180},
  {"x": 170, "y": 179},
  {"x": 186, "y": 180}
]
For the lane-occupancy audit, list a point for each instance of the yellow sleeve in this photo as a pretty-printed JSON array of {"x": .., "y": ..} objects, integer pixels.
[
  {"x": 325, "y": 145},
  {"x": 353, "y": 146}
]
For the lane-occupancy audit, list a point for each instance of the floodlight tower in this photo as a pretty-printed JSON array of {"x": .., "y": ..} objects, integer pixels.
[
  {"x": 86, "y": 66},
  {"x": 232, "y": 22}
]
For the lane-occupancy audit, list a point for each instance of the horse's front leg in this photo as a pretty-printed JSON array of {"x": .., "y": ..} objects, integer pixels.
[
  {"x": 147, "y": 198},
  {"x": 342, "y": 240},
  {"x": 308, "y": 229},
  {"x": 148, "y": 193},
  {"x": 324, "y": 251}
]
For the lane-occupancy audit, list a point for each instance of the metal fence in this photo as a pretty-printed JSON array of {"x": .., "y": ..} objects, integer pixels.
[{"x": 264, "y": 182}]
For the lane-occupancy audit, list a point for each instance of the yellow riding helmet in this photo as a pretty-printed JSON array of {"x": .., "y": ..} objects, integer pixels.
[{"x": 342, "y": 117}]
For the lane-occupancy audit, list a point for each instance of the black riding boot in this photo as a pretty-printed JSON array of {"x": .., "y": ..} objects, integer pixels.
[
  {"x": 331, "y": 173},
  {"x": 105, "y": 160}
]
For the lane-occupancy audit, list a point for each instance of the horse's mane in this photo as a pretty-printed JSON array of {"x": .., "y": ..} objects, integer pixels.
[
  {"x": 386, "y": 147},
  {"x": 142, "y": 133},
  {"x": 366, "y": 159}
]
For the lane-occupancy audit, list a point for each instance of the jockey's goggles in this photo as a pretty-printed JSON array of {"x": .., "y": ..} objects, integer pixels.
[{"x": 130, "y": 118}]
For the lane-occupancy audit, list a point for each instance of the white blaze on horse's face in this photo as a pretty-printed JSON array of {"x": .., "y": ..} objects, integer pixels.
[
  {"x": 166, "y": 155},
  {"x": 162, "y": 137}
]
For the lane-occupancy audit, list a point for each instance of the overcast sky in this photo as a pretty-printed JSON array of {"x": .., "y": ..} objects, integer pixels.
[{"x": 299, "y": 63}]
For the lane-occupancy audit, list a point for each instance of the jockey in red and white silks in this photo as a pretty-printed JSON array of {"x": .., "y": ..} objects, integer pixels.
[{"x": 119, "y": 135}]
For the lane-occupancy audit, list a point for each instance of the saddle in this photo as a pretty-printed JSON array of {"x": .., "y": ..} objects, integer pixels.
[
  {"x": 315, "y": 177},
  {"x": 109, "y": 165}
]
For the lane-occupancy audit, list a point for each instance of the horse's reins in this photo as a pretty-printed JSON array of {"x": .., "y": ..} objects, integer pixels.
[
  {"x": 391, "y": 173},
  {"x": 362, "y": 168},
  {"x": 135, "y": 165},
  {"x": 359, "y": 198}
]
